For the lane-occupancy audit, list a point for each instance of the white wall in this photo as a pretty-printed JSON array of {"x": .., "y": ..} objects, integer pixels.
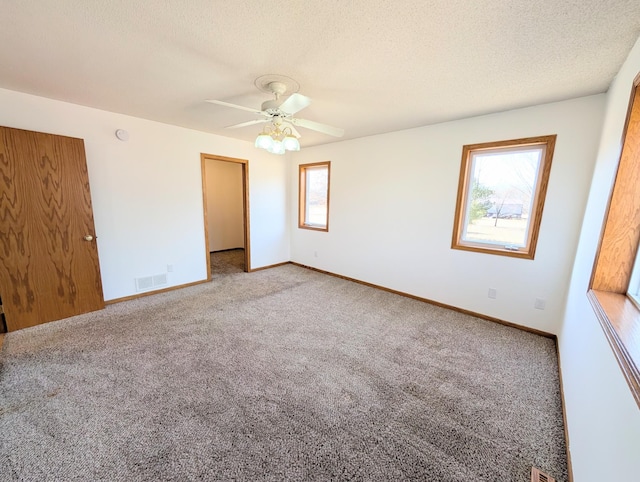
[
  {"x": 393, "y": 201},
  {"x": 603, "y": 418},
  {"x": 147, "y": 192},
  {"x": 224, "y": 205}
]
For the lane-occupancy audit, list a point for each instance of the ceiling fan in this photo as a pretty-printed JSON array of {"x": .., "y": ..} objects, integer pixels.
[{"x": 279, "y": 113}]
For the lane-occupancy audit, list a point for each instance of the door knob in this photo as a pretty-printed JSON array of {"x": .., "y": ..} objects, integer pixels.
[{"x": 88, "y": 237}]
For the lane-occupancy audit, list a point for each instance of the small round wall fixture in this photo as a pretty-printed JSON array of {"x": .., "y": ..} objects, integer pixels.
[{"x": 122, "y": 135}]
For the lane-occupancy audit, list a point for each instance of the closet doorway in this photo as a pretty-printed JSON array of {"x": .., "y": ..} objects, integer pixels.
[{"x": 225, "y": 192}]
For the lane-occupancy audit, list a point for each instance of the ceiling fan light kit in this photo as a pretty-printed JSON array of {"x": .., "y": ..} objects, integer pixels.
[
  {"x": 277, "y": 140},
  {"x": 280, "y": 135}
]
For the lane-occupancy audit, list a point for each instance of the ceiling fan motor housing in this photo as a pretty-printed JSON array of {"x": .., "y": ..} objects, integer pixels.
[{"x": 272, "y": 107}]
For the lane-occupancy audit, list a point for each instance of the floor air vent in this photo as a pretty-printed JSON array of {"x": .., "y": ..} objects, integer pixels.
[
  {"x": 538, "y": 476},
  {"x": 148, "y": 282}
]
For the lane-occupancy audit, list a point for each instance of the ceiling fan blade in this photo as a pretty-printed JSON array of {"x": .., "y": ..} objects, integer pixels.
[
  {"x": 316, "y": 126},
  {"x": 227, "y": 104},
  {"x": 295, "y": 103},
  {"x": 248, "y": 123}
]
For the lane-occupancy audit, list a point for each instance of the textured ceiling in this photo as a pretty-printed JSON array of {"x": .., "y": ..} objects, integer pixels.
[{"x": 370, "y": 66}]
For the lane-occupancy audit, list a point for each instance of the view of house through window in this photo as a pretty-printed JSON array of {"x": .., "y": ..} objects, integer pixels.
[
  {"x": 501, "y": 194},
  {"x": 314, "y": 196}
]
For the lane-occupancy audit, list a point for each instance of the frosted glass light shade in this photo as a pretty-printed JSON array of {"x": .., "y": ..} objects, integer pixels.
[
  {"x": 276, "y": 148},
  {"x": 264, "y": 141},
  {"x": 291, "y": 143}
]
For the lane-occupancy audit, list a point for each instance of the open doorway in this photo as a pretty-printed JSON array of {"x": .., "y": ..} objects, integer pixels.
[{"x": 225, "y": 192}]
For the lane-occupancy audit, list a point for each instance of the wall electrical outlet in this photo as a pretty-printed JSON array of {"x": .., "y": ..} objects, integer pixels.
[
  {"x": 493, "y": 293},
  {"x": 539, "y": 304},
  {"x": 169, "y": 268},
  {"x": 315, "y": 254}
]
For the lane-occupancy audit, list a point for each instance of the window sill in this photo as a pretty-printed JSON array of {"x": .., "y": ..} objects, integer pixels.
[
  {"x": 313, "y": 228},
  {"x": 620, "y": 320},
  {"x": 488, "y": 249}
]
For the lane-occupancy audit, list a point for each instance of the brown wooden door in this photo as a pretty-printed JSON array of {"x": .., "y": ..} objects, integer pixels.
[{"x": 48, "y": 270}]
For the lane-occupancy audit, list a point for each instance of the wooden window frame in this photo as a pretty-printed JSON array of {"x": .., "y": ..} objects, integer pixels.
[
  {"x": 618, "y": 315},
  {"x": 540, "y": 191},
  {"x": 302, "y": 195}
]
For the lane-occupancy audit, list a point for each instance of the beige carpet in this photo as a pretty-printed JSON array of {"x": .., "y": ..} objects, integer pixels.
[
  {"x": 227, "y": 262},
  {"x": 281, "y": 374}
]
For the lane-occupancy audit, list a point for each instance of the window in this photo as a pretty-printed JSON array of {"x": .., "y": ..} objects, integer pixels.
[
  {"x": 634, "y": 282},
  {"x": 314, "y": 196},
  {"x": 501, "y": 195},
  {"x": 615, "y": 279}
]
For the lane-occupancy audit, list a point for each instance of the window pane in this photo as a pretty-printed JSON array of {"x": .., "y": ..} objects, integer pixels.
[
  {"x": 313, "y": 201},
  {"x": 501, "y": 196},
  {"x": 317, "y": 183},
  {"x": 634, "y": 282},
  {"x": 501, "y": 192}
]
